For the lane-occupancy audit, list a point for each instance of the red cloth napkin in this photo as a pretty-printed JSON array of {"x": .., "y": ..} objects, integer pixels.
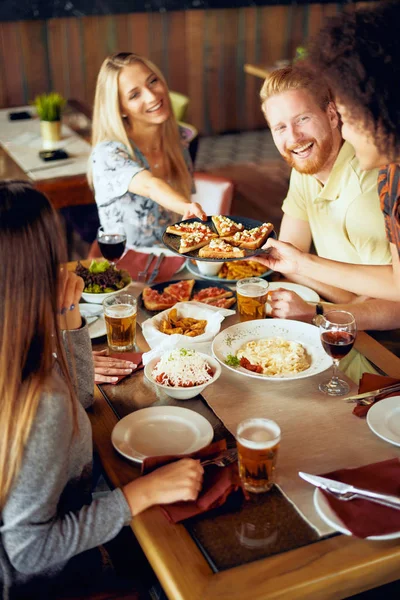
[
  {"x": 135, "y": 357},
  {"x": 218, "y": 483},
  {"x": 369, "y": 383},
  {"x": 133, "y": 262},
  {"x": 361, "y": 517}
]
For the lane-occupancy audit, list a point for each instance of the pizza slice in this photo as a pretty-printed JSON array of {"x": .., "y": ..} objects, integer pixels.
[
  {"x": 194, "y": 227},
  {"x": 154, "y": 300},
  {"x": 194, "y": 241},
  {"x": 225, "y": 226},
  {"x": 181, "y": 290},
  {"x": 251, "y": 239},
  {"x": 210, "y": 294},
  {"x": 223, "y": 302},
  {"x": 219, "y": 248}
]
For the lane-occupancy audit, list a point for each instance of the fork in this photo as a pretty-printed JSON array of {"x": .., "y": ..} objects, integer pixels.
[
  {"x": 223, "y": 460},
  {"x": 142, "y": 275},
  {"x": 347, "y": 496}
]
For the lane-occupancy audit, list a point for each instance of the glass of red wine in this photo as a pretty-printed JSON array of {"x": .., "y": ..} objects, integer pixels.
[
  {"x": 338, "y": 332},
  {"x": 112, "y": 242}
]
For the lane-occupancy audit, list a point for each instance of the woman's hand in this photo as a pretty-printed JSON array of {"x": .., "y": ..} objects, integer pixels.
[
  {"x": 283, "y": 257},
  {"x": 107, "y": 369},
  {"x": 181, "y": 480},
  {"x": 70, "y": 291},
  {"x": 194, "y": 210},
  {"x": 286, "y": 304}
]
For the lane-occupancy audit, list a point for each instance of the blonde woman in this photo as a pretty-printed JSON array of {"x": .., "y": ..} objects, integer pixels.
[
  {"x": 139, "y": 168},
  {"x": 47, "y": 515}
]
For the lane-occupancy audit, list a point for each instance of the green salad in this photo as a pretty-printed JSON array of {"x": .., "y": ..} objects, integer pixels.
[{"x": 102, "y": 277}]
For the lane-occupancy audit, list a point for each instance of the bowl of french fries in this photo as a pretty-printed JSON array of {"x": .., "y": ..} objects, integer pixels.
[
  {"x": 182, "y": 373},
  {"x": 187, "y": 323}
]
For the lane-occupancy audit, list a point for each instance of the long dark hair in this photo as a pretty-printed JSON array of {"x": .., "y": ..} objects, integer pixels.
[{"x": 31, "y": 251}]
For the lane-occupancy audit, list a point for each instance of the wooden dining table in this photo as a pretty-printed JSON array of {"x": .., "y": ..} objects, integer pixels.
[{"x": 333, "y": 566}]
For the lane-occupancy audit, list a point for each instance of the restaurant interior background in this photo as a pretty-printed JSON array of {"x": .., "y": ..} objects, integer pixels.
[{"x": 201, "y": 47}]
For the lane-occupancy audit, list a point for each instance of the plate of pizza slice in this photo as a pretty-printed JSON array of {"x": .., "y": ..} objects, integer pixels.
[
  {"x": 161, "y": 296},
  {"x": 218, "y": 238}
]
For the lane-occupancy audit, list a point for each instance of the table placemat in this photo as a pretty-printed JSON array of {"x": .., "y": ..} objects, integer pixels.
[
  {"x": 266, "y": 525},
  {"x": 22, "y": 140}
]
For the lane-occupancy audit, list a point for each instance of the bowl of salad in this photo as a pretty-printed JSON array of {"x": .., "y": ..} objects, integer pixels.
[{"x": 102, "y": 280}]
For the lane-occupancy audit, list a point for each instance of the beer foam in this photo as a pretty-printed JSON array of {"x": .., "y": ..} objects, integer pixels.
[
  {"x": 120, "y": 311},
  {"x": 253, "y": 290},
  {"x": 257, "y": 434}
]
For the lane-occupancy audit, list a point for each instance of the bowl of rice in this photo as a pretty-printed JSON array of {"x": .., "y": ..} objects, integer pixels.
[{"x": 182, "y": 373}]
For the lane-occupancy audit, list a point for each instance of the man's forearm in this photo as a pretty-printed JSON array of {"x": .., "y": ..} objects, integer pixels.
[
  {"x": 327, "y": 292},
  {"x": 372, "y": 313},
  {"x": 365, "y": 280}
]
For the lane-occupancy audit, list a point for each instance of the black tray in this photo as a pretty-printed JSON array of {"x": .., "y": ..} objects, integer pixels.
[
  {"x": 172, "y": 241},
  {"x": 199, "y": 285}
]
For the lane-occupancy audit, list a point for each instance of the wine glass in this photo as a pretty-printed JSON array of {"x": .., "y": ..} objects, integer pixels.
[
  {"x": 338, "y": 331},
  {"x": 112, "y": 241}
]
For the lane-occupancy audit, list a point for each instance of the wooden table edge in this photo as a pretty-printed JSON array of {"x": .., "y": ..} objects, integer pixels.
[{"x": 339, "y": 566}]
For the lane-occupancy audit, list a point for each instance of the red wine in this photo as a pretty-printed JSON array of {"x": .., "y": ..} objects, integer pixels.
[
  {"x": 337, "y": 343},
  {"x": 112, "y": 246}
]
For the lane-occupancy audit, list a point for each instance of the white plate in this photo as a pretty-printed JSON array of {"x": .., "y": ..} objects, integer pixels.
[
  {"x": 304, "y": 292},
  {"x": 97, "y": 328},
  {"x": 194, "y": 269},
  {"x": 329, "y": 516},
  {"x": 383, "y": 419},
  {"x": 161, "y": 430},
  {"x": 229, "y": 341}
]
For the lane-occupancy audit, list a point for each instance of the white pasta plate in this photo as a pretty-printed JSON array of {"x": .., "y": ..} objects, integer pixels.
[{"x": 228, "y": 342}]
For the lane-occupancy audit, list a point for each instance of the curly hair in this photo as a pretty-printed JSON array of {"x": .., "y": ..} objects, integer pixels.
[{"x": 359, "y": 55}]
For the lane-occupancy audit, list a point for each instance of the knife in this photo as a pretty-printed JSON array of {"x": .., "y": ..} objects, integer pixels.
[
  {"x": 386, "y": 390},
  {"x": 345, "y": 491},
  {"x": 156, "y": 268}
]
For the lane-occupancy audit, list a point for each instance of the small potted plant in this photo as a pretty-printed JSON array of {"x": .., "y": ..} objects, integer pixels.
[{"x": 49, "y": 108}]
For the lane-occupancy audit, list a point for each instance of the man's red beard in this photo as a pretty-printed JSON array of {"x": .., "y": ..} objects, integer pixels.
[{"x": 321, "y": 152}]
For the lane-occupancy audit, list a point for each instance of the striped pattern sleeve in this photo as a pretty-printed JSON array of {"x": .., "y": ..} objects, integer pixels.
[{"x": 389, "y": 195}]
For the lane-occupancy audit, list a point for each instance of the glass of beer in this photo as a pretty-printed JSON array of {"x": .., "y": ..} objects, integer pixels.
[
  {"x": 252, "y": 295},
  {"x": 120, "y": 313},
  {"x": 257, "y": 443}
]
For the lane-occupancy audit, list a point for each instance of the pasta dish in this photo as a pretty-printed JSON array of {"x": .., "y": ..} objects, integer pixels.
[{"x": 273, "y": 357}]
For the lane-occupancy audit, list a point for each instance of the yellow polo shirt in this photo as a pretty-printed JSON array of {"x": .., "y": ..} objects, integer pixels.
[{"x": 344, "y": 215}]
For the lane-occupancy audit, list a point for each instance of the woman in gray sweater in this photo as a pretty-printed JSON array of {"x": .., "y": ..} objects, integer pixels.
[{"x": 47, "y": 515}]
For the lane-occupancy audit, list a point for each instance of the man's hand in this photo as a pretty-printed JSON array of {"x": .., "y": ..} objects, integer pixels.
[
  {"x": 107, "y": 369},
  {"x": 194, "y": 210},
  {"x": 181, "y": 480},
  {"x": 283, "y": 257},
  {"x": 286, "y": 304}
]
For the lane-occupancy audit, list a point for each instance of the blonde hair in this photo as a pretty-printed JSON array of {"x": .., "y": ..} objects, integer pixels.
[
  {"x": 29, "y": 334},
  {"x": 108, "y": 124},
  {"x": 296, "y": 78}
]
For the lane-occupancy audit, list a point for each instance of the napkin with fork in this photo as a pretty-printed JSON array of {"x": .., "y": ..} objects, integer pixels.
[
  {"x": 134, "y": 262},
  {"x": 218, "y": 483},
  {"x": 362, "y": 517},
  {"x": 370, "y": 382}
]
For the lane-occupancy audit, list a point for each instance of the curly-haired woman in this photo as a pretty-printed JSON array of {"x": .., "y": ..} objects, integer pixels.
[{"x": 359, "y": 55}]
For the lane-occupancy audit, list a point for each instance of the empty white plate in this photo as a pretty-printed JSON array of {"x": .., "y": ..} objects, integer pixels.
[
  {"x": 383, "y": 419},
  {"x": 159, "y": 431},
  {"x": 96, "y": 328},
  {"x": 329, "y": 516}
]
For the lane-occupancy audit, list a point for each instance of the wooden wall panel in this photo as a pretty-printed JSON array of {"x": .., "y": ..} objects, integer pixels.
[{"x": 201, "y": 53}]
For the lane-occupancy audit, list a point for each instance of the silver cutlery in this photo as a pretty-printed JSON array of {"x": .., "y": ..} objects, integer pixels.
[
  {"x": 142, "y": 275},
  {"x": 224, "y": 459},
  {"x": 156, "y": 268},
  {"x": 369, "y": 397},
  {"x": 346, "y": 492}
]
